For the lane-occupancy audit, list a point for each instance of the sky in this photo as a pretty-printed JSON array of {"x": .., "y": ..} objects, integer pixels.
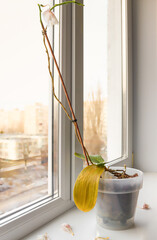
[
  {"x": 95, "y": 47},
  {"x": 24, "y": 76}
]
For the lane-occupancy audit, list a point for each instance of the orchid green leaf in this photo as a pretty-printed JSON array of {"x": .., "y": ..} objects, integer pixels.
[{"x": 95, "y": 159}]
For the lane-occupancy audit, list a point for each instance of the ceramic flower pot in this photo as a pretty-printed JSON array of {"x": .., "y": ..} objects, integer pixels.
[{"x": 117, "y": 200}]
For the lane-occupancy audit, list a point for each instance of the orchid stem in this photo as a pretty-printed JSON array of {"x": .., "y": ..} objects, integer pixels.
[
  {"x": 40, "y": 12},
  {"x": 67, "y": 2},
  {"x": 64, "y": 88}
]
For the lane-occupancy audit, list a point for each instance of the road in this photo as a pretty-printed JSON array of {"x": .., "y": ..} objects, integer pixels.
[
  {"x": 23, "y": 198},
  {"x": 20, "y": 185}
]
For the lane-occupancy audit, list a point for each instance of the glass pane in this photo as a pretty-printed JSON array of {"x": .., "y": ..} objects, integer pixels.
[
  {"x": 26, "y": 109},
  {"x": 102, "y": 78}
]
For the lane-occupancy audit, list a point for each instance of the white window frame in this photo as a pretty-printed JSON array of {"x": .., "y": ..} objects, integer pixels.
[
  {"x": 77, "y": 87},
  {"x": 126, "y": 51},
  {"x": 72, "y": 69},
  {"x": 21, "y": 223}
]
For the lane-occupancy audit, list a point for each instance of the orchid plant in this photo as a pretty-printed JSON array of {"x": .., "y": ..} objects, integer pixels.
[{"x": 86, "y": 186}]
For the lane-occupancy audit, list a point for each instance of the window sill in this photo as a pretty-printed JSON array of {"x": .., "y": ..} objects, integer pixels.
[
  {"x": 22, "y": 225},
  {"x": 84, "y": 224}
]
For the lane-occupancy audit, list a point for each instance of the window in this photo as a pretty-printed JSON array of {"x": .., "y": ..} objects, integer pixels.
[
  {"x": 105, "y": 79},
  {"x": 60, "y": 143},
  {"x": 20, "y": 103},
  {"x": 35, "y": 177}
]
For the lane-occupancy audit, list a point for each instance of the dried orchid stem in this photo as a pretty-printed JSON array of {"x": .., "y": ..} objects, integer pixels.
[
  {"x": 84, "y": 146},
  {"x": 65, "y": 91},
  {"x": 53, "y": 89},
  {"x": 120, "y": 173}
]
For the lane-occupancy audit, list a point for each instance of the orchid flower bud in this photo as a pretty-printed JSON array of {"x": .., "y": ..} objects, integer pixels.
[{"x": 50, "y": 18}]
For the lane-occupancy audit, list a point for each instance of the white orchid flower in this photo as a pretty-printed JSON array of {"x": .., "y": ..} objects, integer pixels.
[{"x": 50, "y": 18}]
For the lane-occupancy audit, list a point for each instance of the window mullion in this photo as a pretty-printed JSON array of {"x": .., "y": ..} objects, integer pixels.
[
  {"x": 65, "y": 124},
  {"x": 77, "y": 87}
]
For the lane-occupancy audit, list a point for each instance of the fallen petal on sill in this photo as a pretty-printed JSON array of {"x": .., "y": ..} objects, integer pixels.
[
  {"x": 43, "y": 237},
  {"x": 146, "y": 206},
  {"x": 101, "y": 238},
  {"x": 67, "y": 228}
]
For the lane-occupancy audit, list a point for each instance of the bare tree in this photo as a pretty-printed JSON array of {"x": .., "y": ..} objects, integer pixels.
[
  {"x": 26, "y": 153},
  {"x": 95, "y": 134}
]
